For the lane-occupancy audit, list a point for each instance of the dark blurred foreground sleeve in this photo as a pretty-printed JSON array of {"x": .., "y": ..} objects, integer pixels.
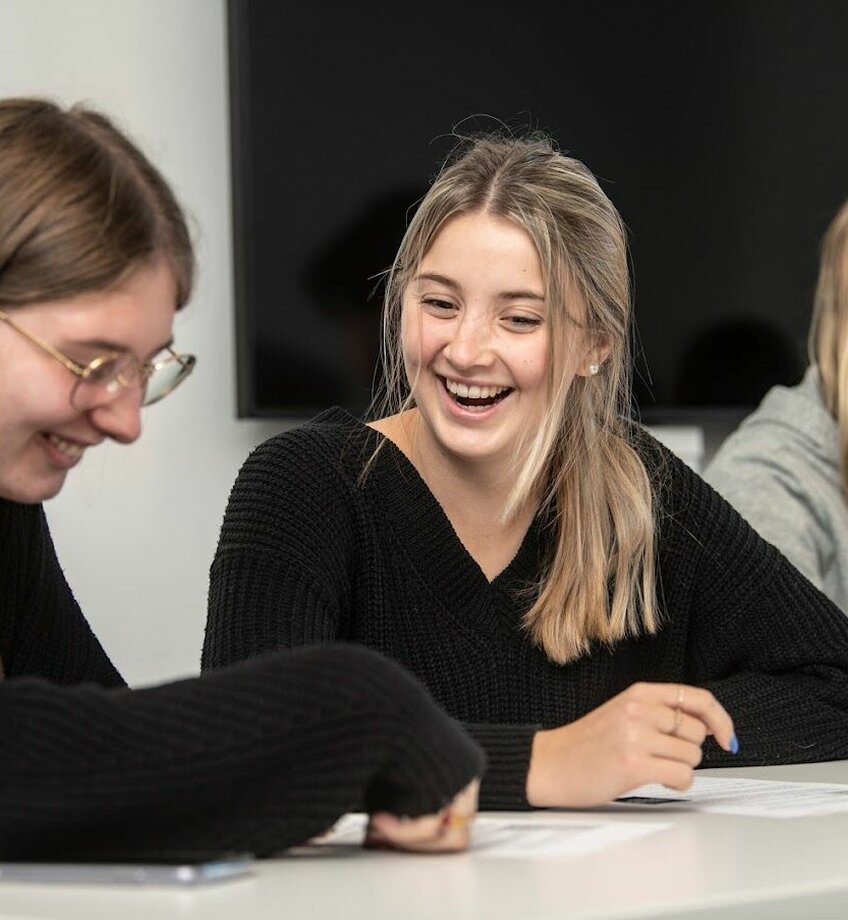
[{"x": 255, "y": 757}]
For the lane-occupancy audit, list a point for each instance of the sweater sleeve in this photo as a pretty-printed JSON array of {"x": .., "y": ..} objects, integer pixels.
[
  {"x": 256, "y": 757},
  {"x": 282, "y": 551},
  {"x": 43, "y": 632},
  {"x": 508, "y": 749},
  {"x": 772, "y": 648}
]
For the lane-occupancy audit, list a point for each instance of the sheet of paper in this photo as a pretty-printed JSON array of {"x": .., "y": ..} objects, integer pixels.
[
  {"x": 759, "y": 798},
  {"x": 534, "y": 838},
  {"x": 520, "y": 837}
]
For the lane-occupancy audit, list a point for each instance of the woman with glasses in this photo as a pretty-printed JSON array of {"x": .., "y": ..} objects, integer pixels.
[{"x": 94, "y": 260}]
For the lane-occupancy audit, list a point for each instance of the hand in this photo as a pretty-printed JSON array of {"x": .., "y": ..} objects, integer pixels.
[
  {"x": 650, "y": 733},
  {"x": 447, "y": 831}
]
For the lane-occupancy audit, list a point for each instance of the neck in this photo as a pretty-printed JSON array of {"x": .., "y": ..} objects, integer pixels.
[
  {"x": 466, "y": 489},
  {"x": 472, "y": 495}
]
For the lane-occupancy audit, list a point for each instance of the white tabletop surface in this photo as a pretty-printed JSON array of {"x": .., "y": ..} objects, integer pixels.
[{"x": 701, "y": 866}]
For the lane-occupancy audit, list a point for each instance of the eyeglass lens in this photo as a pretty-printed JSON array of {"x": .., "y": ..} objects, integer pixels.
[
  {"x": 167, "y": 374},
  {"x": 107, "y": 377}
]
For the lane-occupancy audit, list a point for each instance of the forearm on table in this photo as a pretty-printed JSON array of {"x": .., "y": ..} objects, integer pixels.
[{"x": 254, "y": 757}]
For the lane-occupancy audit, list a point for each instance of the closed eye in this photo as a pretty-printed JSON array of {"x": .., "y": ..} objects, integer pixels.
[
  {"x": 524, "y": 323},
  {"x": 437, "y": 305}
]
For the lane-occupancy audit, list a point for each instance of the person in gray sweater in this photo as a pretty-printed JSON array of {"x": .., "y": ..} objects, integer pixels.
[{"x": 784, "y": 468}]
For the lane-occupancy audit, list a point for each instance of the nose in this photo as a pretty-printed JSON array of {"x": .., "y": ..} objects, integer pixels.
[
  {"x": 120, "y": 418},
  {"x": 470, "y": 345}
]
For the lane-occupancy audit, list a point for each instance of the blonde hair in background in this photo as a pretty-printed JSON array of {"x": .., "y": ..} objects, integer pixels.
[
  {"x": 599, "y": 582},
  {"x": 828, "y": 342},
  {"x": 80, "y": 207}
]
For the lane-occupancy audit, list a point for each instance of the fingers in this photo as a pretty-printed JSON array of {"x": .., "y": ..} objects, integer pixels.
[
  {"x": 694, "y": 705},
  {"x": 404, "y": 833},
  {"x": 466, "y": 800},
  {"x": 449, "y": 830},
  {"x": 444, "y": 832},
  {"x": 678, "y": 749},
  {"x": 671, "y": 773},
  {"x": 701, "y": 704},
  {"x": 670, "y": 734},
  {"x": 677, "y": 724}
]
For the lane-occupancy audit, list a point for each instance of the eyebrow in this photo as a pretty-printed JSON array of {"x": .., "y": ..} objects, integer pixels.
[
  {"x": 108, "y": 345},
  {"x": 162, "y": 347},
  {"x": 454, "y": 286}
]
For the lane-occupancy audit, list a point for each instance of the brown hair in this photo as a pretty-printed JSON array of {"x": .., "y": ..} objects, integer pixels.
[
  {"x": 599, "y": 581},
  {"x": 828, "y": 343},
  {"x": 80, "y": 206}
]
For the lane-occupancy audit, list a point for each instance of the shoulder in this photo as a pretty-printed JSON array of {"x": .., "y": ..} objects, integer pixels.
[
  {"x": 301, "y": 485},
  {"x": 699, "y": 531},
  {"x": 793, "y": 419},
  {"x": 328, "y": 451},
  {"x": 326, "y": 439},
  {"x": 685, "y": 506},
  {"x": 663, "y": 467},
  {"x": 791, "y": 441}
]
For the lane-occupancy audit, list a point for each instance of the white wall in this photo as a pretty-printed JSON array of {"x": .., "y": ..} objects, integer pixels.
[{"x": 136, "y": 527}]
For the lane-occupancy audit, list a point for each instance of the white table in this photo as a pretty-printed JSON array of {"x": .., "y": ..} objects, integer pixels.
[{"x": 702, "y": 866}]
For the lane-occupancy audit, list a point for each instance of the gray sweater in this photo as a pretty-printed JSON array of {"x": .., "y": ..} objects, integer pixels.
[{"x": 780, "y": 469}]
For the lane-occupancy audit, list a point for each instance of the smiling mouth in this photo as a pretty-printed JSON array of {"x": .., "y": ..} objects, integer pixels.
[
  {"x": 475, "y": 397},
  {"x": 70, "y": 449}
]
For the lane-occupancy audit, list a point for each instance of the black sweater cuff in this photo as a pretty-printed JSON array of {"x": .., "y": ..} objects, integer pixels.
[{"x": 508, "y": 749}]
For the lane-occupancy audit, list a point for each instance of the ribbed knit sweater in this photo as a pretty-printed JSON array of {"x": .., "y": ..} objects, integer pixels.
[
  {"x": 252, "y": 758},
  {"x": 308, "y": 554}
]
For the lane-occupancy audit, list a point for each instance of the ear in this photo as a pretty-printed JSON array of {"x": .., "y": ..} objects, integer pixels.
[{"x": 593, "y": 358}]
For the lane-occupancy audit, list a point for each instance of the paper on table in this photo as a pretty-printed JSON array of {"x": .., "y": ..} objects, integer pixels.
[
  {"x": 527, "y": 838},
  {"x": 520, "y": 837},
  {"x": 759, "y": 798}
]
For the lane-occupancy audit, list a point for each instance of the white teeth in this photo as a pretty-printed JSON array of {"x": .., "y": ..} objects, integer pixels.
[
  {"x": 69, "y": 449},
  {"x": 473, "y": 392}
]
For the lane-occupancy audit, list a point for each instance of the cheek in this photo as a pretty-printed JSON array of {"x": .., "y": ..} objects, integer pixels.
[
  {"x": 34, "y": 392},
  {"x": 413, "y": 341},
  {"x": 535, "y": 364}
]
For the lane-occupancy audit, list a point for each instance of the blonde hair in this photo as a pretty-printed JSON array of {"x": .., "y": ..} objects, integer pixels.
[
  {"x": 828, "y": 342},
  {"x": 80, "y": 207},
  {"x": 598, "y": 584}
]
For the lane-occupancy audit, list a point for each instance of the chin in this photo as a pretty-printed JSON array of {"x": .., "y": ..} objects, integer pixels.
[{"x": 33, "y": 491}]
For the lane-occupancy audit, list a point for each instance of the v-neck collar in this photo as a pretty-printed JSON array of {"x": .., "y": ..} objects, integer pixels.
[{"x": 423, "y": 528}]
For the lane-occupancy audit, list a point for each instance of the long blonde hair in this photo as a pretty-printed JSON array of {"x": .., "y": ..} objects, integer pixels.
[
  {"x": 598, "y": 584},
  {"x": 828, "y": 342}
]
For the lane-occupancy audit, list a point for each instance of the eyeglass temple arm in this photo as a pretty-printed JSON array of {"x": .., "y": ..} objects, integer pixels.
[{"x": 72, "y": 366}]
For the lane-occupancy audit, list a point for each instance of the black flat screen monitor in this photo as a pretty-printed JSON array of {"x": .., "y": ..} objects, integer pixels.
[{"x": 720, "y": 130}]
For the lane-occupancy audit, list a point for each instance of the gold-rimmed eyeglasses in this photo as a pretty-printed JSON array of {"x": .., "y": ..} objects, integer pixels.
[{"x": 108, "y": 375}]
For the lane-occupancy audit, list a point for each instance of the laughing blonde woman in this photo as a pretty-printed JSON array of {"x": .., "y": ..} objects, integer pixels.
[{"x": 595, "y": 614}]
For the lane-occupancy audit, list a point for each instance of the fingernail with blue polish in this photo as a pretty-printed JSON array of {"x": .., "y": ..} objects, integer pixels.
[{"x": 734, "y": 744}]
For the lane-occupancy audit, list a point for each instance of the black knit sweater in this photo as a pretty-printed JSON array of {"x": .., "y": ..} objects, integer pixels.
[
  {"x": 256, "y": 757},
  {"x": 307, "y": 555}
]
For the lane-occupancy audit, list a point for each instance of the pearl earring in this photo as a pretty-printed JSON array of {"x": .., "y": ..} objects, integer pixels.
[{"x": 594, "y": 368}]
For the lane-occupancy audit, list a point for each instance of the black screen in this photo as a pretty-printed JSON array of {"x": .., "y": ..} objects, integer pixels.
[{"x": 718, "y": 129}]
